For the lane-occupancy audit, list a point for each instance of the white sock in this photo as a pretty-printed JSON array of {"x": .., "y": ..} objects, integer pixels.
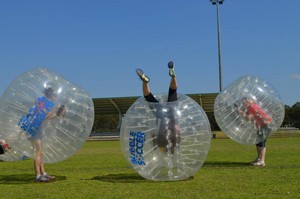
[{"x": 38, "y": 176}]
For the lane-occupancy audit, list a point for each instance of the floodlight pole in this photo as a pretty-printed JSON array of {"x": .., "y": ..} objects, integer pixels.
[{"x": 217, "y": 3}]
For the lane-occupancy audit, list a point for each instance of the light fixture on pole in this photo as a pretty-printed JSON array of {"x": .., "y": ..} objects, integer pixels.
[{"x": 217, "y": 3}]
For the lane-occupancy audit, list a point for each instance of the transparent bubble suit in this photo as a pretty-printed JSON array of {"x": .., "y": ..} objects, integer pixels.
[
  {"x": 184, "y": 152},
  {"x": 234, "y": 124},
  {"x": 61, "y": 136}
]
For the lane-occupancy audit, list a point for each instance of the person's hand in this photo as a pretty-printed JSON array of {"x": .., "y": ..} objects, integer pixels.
[
  {"x": 61, "y": 110},
  {"x": 236, "y": 108}
]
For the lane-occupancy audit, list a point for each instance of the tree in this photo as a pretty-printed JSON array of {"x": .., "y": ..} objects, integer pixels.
[
  {"x": 287, "y": 118},
  {"x": 295, "y": 115},
  {"x": 292, "y": 116}
]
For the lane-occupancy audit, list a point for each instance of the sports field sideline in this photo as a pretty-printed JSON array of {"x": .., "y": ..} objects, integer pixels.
[{"x": 99, "y": 170}]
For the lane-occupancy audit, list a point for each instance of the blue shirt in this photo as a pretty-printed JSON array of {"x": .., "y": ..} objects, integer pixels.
[{"x": 32, "y": 122}]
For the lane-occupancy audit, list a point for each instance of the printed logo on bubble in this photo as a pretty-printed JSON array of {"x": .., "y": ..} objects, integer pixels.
[{"x": 136, "y": 145}]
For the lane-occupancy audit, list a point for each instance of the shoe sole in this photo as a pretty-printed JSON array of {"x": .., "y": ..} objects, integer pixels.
[
  {"x": 259, "y": 165},
  {"x": 170, "y": 65},
  {"x": 142, "y": 76}
]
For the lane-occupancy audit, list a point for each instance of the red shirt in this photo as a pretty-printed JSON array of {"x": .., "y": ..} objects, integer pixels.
[{"x": 261, "y": 118}]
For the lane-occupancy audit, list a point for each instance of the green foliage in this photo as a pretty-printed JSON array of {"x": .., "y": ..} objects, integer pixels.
[
  {"x": 99, "y": 170},
  {"x": 292, "y": 115}
]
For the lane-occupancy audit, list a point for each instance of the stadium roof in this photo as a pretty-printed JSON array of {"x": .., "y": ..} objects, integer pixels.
[{"x": 117, "y": 105}]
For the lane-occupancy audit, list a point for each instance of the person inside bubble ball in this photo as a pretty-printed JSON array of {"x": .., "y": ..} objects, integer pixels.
[
  {"x": 253, "y": 112},
  {"x": 31, "y": 123},
  {"x": 3, "y": 147},
  {"x": 168, "y": 135}
]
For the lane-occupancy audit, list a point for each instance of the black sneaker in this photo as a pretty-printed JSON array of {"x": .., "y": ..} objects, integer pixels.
[
  {"x": 142, "y": 75},
  {"x": 171, "y": 69}
]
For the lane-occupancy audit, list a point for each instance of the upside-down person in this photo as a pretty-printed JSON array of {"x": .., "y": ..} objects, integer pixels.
[{"x": 168, "y": 135}]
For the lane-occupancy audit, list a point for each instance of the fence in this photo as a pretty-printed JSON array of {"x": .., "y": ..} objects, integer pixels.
[{"x": 281, "y": 133}]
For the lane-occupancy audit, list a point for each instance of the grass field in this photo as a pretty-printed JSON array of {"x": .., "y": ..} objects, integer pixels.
[{"x": 99, "y": 170}]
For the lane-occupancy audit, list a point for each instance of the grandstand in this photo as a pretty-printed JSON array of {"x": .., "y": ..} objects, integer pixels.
[{"x": 110, "y": 111}]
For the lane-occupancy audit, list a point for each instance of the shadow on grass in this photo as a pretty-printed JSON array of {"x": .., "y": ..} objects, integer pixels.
[
  {"x": 23, "y": 179},
  {"x": 129, "y": 178},
  {"x": 247, "y": 164},
  {"x": 123, "y": 178},
  {"x": 226, "y": 164}
]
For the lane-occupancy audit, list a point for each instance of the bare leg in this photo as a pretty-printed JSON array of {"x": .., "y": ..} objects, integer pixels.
[
  {"x": 258, "y": 152},
  {"x": 145, "y": 80},
  {"x": 261, "y": 156},
  {"x": 37, "y": 164},
  {"x": 146, "y": 89},
  {"x": 38, "y": 157},
  {"x": 173, "y": 83},
  {"x": 42, "y": 169},
  {"x": 262, "y": 153},
  {"x": 172, "y": 96}
]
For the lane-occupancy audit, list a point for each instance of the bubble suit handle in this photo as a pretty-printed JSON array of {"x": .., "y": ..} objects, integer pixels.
[
  {"x": 40, "y": 104},
  {"x": 165, "y": 141},
  {"x": 249, "y": 110}
]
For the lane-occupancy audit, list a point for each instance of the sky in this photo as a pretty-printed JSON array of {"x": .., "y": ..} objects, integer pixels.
[{"x": 98, "y": 44}]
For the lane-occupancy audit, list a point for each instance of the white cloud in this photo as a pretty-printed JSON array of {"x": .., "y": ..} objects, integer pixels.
[{"x": 295, "y": 76}]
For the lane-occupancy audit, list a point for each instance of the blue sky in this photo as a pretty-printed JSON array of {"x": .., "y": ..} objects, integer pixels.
[{"x": 98, "y": 44}]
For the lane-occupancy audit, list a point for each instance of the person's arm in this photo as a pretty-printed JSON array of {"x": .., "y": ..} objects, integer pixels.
[
  {"x": 245, "y": 114},
  {"x": 61, "y": 111},
  {"x": 250, "y": 117},
  {"x": 51, "y": 114},
  {"x": 56, "y": 112}
]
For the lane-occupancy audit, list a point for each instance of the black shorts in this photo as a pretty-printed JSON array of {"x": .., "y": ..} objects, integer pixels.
[
  {"x": 172, "y": 96},
  {"x": 262, "y": 143}
]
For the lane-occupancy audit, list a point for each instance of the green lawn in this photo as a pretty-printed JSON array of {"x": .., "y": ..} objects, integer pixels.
[{"x": 99, "y": 170}]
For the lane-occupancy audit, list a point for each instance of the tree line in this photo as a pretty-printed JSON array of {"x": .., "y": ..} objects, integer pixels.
[{"x": 292, "y": 116}]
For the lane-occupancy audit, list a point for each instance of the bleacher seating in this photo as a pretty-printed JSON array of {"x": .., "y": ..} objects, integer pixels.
[
  {"x": 115, "y": 105},
  {"x": 118, "y": 106}
]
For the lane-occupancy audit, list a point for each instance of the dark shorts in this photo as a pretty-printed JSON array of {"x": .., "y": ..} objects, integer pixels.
[
  {"x": 172, "y": 96},
  {"x": 162, "y": 139},
  {"x": 265, "y": 132},
  {"x": 262, "y": 144}
]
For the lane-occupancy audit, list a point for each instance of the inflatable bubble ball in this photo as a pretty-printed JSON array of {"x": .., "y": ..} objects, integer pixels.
[
  {"x": 165, "y": 141},
  {"x": 42, "y": 107},
  {"x": 249, "y": 110},
  {"x": 12, "y": 156},
  {"x": 9, "y": 155}
]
